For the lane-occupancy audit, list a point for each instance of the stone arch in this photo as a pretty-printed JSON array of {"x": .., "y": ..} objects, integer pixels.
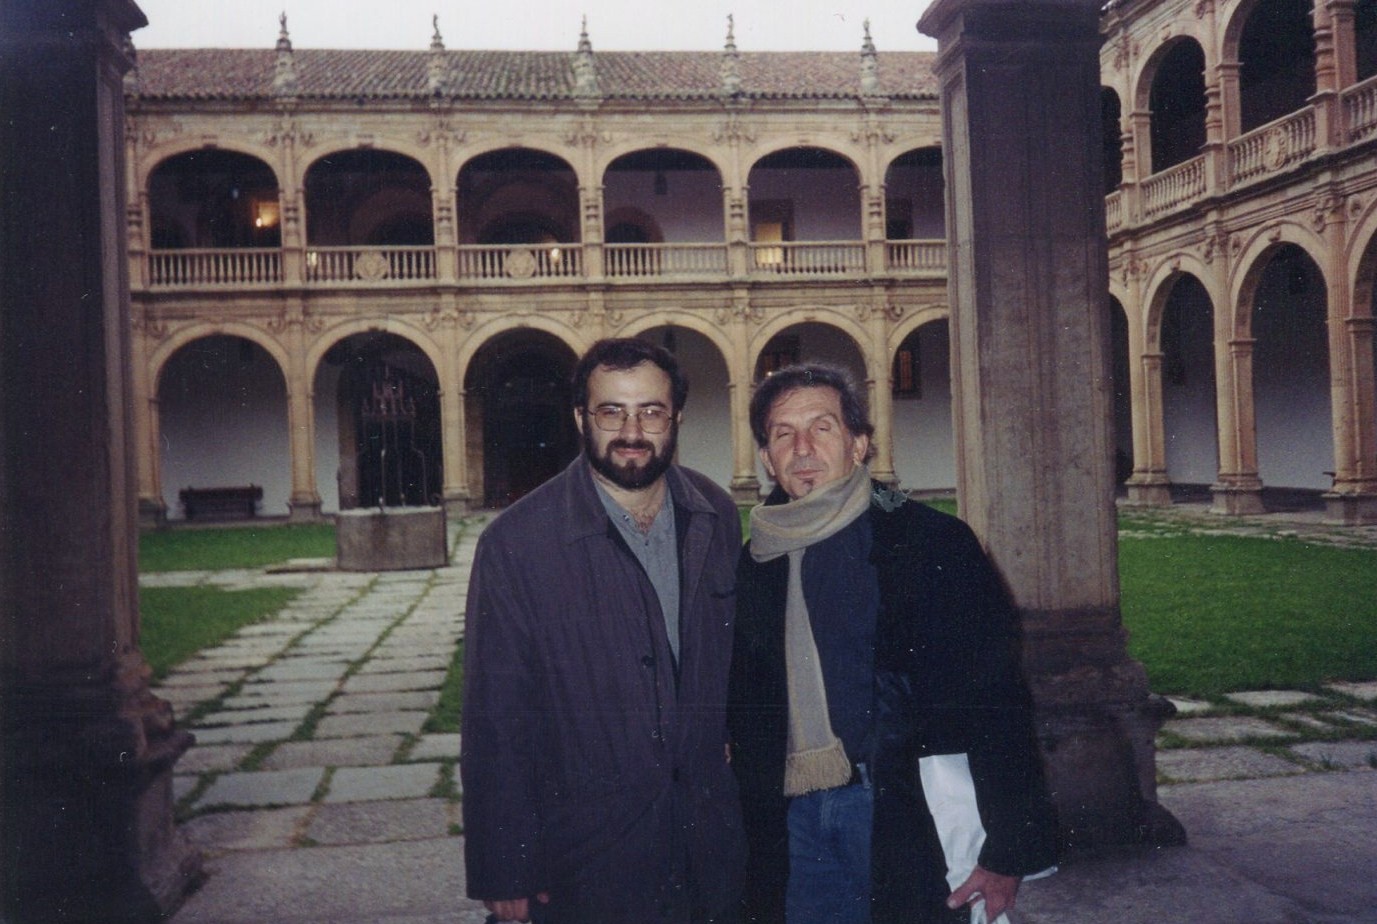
[
  {"x": 1150, "y": 60},
  {"x": 1172, "y": 91},
  {"x": 705, "y": 357},
  {"x": 1275, "y": 48},
  {"x": 1362, "y": 261},
  {"x": 213, "y": 198},
  {"x": 1282, "y": 313},
  {"x": 1179, "y": 367},
  {"x": 915, "y": 195},
  {"x": 689, "y": 320},
  {"x": 828, "y": 318},
  {"x": 156, "y": 157},
  {"x": 368, "y": 196},
  {"x": 787, "y": 206},
  {"x": 1251, "y": 260},
  {"x": 572, "y": 337},
  {"x": 1158, "y": 288},
  {"x": 676, "y": 192},
  {"x": 331, "y": 439},
  {"x": 1274, "y": 45},
  {"x": 922, "y": 429},
  {"x": 222, "y": 417},
  {"x": 518, "y": 410},
  {"x": 399, "y": 327},
  {"x": 684, "y": 144},
  {"x": 357, "y": 372},
  {"x": 160, "y": 354},
  {"x": 518, "y": 195}
]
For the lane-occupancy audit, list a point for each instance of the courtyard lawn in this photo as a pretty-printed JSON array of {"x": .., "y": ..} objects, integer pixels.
[
  {"x": 233, "y": 546},
  {"x": 1213, "y": 613},
  {"x": 1207, "y": 613},
  {"x": 177, "y": 622}
]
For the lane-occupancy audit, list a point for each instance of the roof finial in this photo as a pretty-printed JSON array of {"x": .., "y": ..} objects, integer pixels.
[
  {"x": 585, "y": 74},
  {"x": 435, "y": 67},
  {"x": 870, "y": 65},
  {"x": 731, "y": 77},
  {"x": 585, "y": 44},
  {"x": 284, "y": 77}
]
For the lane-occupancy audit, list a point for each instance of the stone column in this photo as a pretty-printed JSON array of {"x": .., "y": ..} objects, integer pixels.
[
  {"x": 86, "y": 767},
  {"x": 1020, "y": 83}
]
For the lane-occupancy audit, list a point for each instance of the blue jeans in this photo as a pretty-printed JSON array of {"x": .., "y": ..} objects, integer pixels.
[{"x": 829, "y": 856}]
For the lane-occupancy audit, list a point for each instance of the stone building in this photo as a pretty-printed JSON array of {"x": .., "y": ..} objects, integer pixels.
[
  {"x": 1243, "y": 246},
  {"x": 307, "y": 225}
]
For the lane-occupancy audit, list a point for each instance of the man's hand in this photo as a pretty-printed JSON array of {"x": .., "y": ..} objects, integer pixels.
[
  {"x": 997, "y": 890},
  {"x": 515, "y": 909}
]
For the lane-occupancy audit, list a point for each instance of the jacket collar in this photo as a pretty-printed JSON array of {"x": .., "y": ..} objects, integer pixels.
[{"x": 585, "y": 515}]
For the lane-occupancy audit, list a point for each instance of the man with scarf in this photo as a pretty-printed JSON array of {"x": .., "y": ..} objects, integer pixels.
[{"x": 873, "y": 637}]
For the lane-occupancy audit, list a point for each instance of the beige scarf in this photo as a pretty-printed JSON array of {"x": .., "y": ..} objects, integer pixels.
[{"x": 816, "y": 758}]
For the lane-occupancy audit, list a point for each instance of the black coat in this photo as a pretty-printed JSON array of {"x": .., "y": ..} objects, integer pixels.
[
  {"x": 948, "y": 680},
  {"x": 590, "y": 771}
]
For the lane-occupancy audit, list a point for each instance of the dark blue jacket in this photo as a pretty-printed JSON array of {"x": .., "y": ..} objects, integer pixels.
[
  {"x": 948, "y": 680},
  {"x": 589, "y": 770}
]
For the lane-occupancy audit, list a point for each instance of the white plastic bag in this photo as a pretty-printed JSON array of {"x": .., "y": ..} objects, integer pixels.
[{"x": 950, "y": 794}]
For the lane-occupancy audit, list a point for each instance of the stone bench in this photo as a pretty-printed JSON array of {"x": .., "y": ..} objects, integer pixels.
[{"x": 227, "y": 503}]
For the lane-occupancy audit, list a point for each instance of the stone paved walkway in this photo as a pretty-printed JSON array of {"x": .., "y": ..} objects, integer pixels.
[{"x": 316, "y": 794}]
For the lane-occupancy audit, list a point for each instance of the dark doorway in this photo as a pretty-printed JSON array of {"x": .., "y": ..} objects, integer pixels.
[
  {"x": 389, "y": 423},
  {"x": 518, "y": 390}
]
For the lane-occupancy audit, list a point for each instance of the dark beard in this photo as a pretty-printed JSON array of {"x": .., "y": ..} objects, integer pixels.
[{"x": 631, "y": 477}]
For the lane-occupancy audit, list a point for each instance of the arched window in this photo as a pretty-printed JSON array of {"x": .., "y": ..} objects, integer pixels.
[
  {"x": 1177, "y": 102},
  {"x": 1276, "y": 56}
]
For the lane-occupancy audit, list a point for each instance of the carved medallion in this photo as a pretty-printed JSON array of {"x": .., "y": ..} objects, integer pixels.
[
  {"x": 520, "y": 263},
  {"x": 371, "y": 266}
]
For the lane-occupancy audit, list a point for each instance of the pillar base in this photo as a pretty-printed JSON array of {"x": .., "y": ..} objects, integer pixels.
[
  {"x": 1097, "y": 727},
  {"x": 1235, "y": 500},
  {"x": 152, "y": 513},
  {"x": 745, "y": 490},
  {"x": 304, "y": 511},
  {"x": 1147, "y": 491},
  {"x": 1350, "y": 509},
  {"x": 457, "y": 503},
  {"x": 88, "y": 834}
]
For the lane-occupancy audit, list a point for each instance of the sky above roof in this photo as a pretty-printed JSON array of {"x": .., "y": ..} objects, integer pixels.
[{"x": 537, "y": 25}]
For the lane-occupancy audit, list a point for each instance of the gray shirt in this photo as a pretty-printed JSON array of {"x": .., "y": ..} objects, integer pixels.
[{"x": 657, "y": 551}]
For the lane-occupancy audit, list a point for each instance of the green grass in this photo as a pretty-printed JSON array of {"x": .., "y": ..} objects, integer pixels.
[
  {"x": 446, "y": 714},
  {"x": 233, "y": 547},
  {"x": 1209, "y": 614},
  {"x": 177, "y": 622}
]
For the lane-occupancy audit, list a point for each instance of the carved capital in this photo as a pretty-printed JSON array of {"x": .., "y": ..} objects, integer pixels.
[
  {"x": 289, "y": 134},
  {"x": 733, "y": 131},
  {"x": 449, "y": 316},
  {"x": 442, "y": 132},
  {"x": 149, "y": 325}
]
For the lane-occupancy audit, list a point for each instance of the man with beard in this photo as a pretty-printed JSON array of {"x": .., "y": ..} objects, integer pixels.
[{"x": 594, "y": 765}]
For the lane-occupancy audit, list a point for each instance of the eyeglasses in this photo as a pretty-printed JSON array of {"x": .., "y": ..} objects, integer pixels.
[{"x": 612, "y": 417}]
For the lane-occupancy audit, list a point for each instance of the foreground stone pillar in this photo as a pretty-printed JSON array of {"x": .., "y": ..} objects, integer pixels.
[
  {"x": 1030, "y": 349},
  {"x": 86, "y": 763}
]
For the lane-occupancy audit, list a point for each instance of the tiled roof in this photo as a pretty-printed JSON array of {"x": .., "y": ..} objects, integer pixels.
[{"x": 237, "y": 73}]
